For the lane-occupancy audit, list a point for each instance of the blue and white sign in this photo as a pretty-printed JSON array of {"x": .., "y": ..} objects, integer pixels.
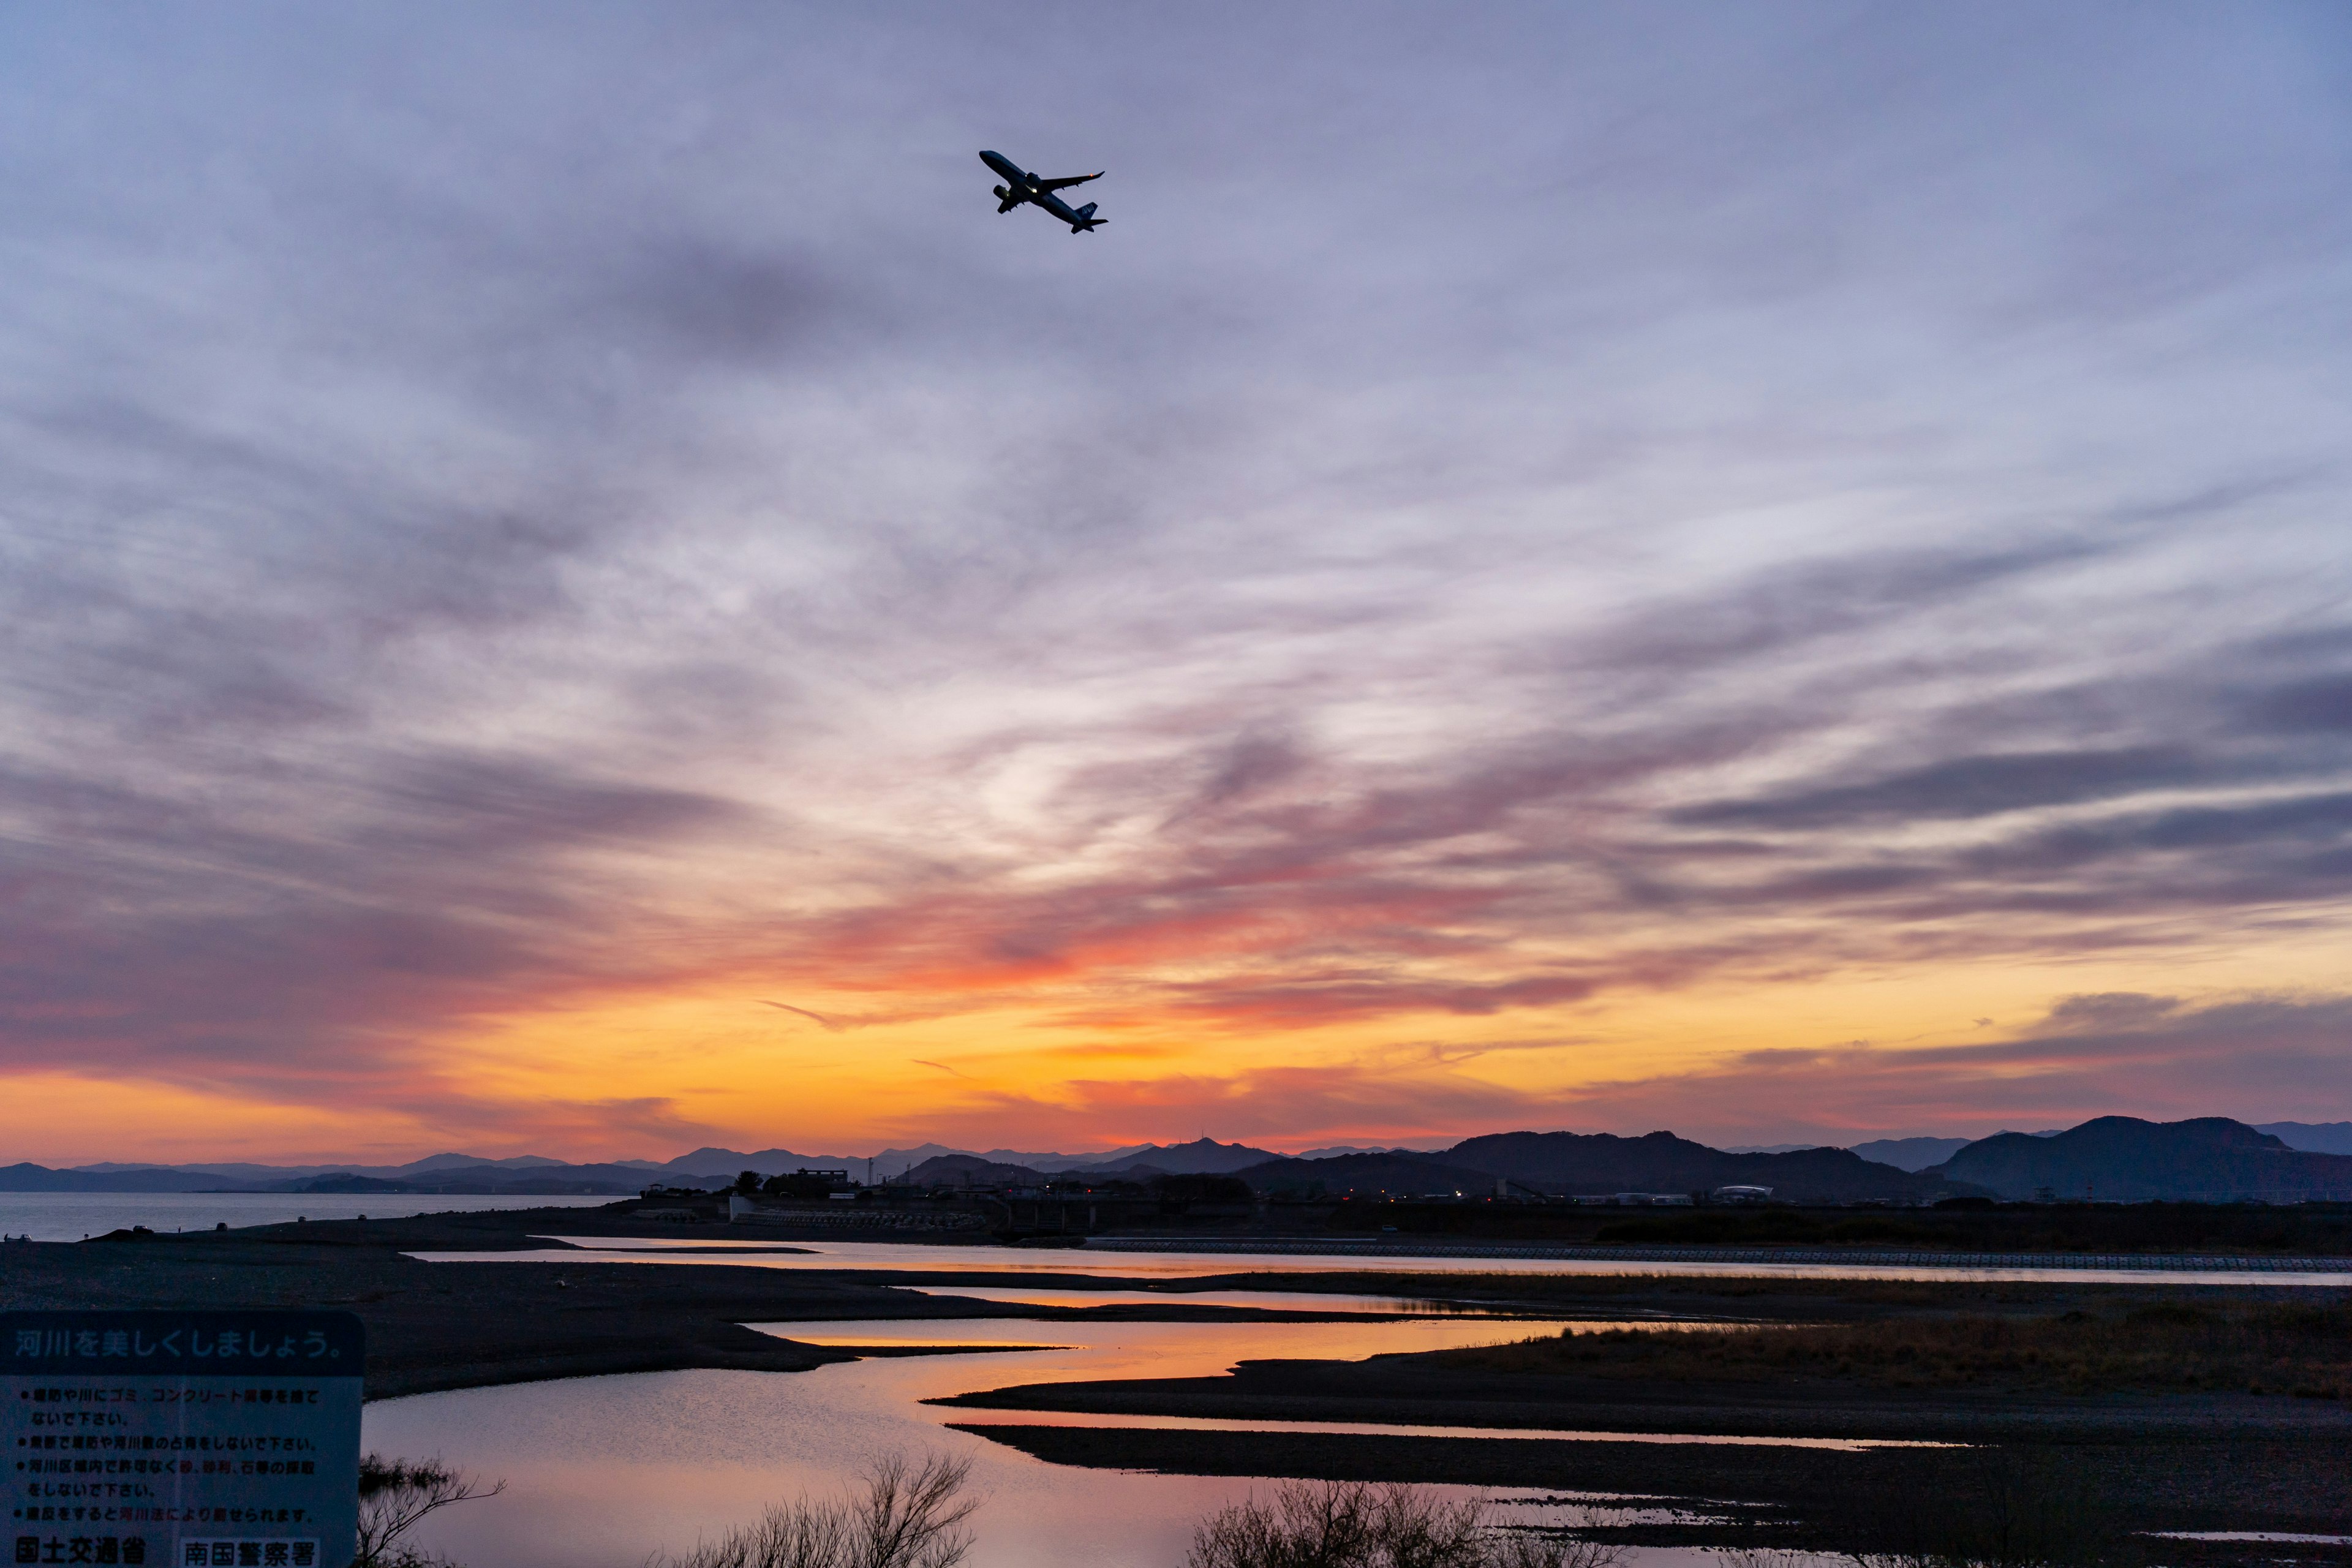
[{"x": 181, "y": 1440}]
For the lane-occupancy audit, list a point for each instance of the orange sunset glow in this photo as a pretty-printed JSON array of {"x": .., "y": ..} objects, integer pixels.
[{"x": 589, "y": 601}]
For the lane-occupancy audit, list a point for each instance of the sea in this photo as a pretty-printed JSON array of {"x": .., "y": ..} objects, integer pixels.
[{"x": 73, "y": 1216}]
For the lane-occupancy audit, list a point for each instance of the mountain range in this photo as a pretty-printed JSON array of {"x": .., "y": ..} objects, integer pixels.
[
  {"x": 1597, "y": 1164},
  {"x": 526, "y": 1174},
  {"x": 2114, "y": 1157},
  {"x": 2111, "y": 1157},
  {"x": 2209, "y": 1159}
]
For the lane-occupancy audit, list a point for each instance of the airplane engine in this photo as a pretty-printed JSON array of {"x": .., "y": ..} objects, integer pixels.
[{"x": 1002, "y": 192}]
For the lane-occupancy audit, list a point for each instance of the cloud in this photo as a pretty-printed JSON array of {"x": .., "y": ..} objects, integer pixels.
[
  {"x": 828, "y": 1024},
  {"x": 505, "y": 512},
  {"x": 1964, "y": 787},
  {"x": 1273, "y": 1103},
  {"x": 2321, "y": 706},
  {"x": 2255, "y": 1058}
]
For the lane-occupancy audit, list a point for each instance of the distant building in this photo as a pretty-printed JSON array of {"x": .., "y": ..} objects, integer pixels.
[{"x": 1741, "y": 1194}]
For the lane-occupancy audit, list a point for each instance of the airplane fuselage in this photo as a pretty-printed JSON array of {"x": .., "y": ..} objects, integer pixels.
[
  {"x": 1054, "y": 205},
  {"x": 1021, "y": 186}
]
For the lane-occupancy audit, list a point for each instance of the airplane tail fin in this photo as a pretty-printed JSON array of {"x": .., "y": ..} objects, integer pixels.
[{"x": 1087, "y": 219}]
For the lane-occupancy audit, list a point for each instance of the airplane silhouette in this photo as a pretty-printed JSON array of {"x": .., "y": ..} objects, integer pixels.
[{"x": 1020, "y": 186}]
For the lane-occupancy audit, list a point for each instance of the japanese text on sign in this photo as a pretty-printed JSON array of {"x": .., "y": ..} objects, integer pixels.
[{"x": 187, "y": 1439}]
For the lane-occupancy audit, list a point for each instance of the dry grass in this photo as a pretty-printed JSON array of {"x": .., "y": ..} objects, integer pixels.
[
  {"x": 911, "y": 1516},
  {"x": 1350, "y": 1524},
  {"x": 2291, "y": 1349},
  {"x": 395, "y": 1497}
]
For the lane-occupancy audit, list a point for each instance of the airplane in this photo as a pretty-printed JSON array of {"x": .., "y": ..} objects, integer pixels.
[{"x": 1022, "y": 186}]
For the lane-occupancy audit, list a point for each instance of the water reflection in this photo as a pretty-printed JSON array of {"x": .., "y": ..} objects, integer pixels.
[
  {"x": 607, "y": 1471},
  {"x": 603, "y": 1472},
  {"x": 898, "y": 1257},
  {"x": 1264, "y": 1301},
  {"x": 1079, "y": 1349},
  {"x": 1088, "y": 1350}
]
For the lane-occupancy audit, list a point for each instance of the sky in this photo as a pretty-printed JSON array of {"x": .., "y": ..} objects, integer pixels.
[{"x": 568, "y": 586}]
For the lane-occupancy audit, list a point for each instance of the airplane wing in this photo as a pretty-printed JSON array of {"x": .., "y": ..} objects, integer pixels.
[{"x": 1073, "y": 180}]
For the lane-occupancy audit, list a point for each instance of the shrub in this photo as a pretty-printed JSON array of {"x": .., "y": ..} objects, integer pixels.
[
  {"x": 911, "y": 1516},
  {"x": 1340, "y": 1524},
  {"x": 395, "y": 1497}
]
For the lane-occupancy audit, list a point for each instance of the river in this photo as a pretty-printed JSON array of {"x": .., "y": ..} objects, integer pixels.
[
  {"x": 605, "y": 1472},
  {"x": 74, "y": 1217},
  {"x": 899, "y": 1258}
]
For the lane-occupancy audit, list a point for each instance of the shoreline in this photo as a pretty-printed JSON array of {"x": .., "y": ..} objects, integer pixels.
[
  {"x": 1392, "y": 1390},
  {"x": 449, "y": 1325},
  {"x": 2201, "y": 1461},
  {"x": 437, "y": 1327},
  {"x": 2339, "y": 1268},
  {"x": 1775, "y": 1499}
]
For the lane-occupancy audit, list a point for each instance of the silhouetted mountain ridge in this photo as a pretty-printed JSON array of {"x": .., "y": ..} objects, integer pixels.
[
  {"x": 2311, "y": 1137},
  {"x": 1594, "y": 1162},
  {"x": 1202, "y": 1157},
  {"x": 1399, "y": 1173},
  {"x": 2209, "y": 1159},
  {"x": 971, "y": 1171}
]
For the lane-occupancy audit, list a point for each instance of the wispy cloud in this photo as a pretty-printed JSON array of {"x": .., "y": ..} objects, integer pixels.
[
  {"x": 508, "y": 513},
  {"x": 2110, "y": 1053}
]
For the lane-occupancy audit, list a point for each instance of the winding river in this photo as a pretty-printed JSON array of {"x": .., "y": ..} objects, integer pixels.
[{"x": 604, "y": 1472}]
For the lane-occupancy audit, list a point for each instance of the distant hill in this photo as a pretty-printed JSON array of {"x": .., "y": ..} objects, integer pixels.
[
  {"x": 511, "y": 1163},
  {"x": 527, "y": 1177},
  {"x": 239, "y": 1175},
  {"x": 528, "y": 1174},
  {"x": 2311, "y": 1137},
  {"x": 1328, "y": 1151},
  {"x": 1396, "y": 1173},
  {"x": 889, "y": 1164},
  {"x": 27, "y": 1177},
  {"x": 540, "y": 1179},
  {"x": 491, "y": 1181},
  {"x": 1202, "y": 1157},
  {"x": 2210, "y": 1158},
  {"x": 730, "y": 1162},
  {"x": 1574, "y": 1163},
  {"x": 1911, "y": 1154},
  {"x": 1894, "y": 1168},
  {"x": 971, "y": 1171},
  {"x": 1049, "y": 1163}
]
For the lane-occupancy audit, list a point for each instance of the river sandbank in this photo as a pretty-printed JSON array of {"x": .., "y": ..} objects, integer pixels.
[
  {"x": 435, "y": 1326},
  {"x": 1758, "y": 1498},
  {"x": 2207, "y": 1460}
]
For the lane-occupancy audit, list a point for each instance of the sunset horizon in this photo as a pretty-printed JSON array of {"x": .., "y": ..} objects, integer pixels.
[
  {"x": 1529, "y": 785},
  {"x": 576, "y": 590}
]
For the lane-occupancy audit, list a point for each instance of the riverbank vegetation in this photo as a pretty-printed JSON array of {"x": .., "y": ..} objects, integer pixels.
[
  {"x": 2316, "y": 1229},
  {"x": 2260, "y": 1348},
  {"x": 1347, "y": 1524},
  {"x": 2313, "y": 1229},
  {"x": 396, "y": 1495},
  {"x": 909, "y": 1514}
]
